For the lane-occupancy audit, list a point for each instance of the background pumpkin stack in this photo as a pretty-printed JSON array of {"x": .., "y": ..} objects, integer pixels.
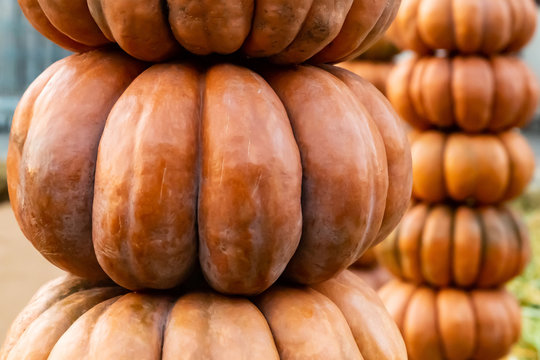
[
  {"x": 376, "y": 64},
  {"x": 204, "y": 175},
  {"x": 464, "y": 93}
]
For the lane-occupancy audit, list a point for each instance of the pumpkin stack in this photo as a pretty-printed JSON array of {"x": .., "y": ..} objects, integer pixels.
[
  {"x": 464, "y": 93},
  {"x": 177, "y": 173},
  {"x": 376, "y": 64}
]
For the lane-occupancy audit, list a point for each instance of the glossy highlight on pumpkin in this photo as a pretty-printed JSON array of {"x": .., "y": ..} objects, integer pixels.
[
  {"x": 137, "y": 171},
  {"x": 285, "y": 31},
  {"x": 72, "y": 318},
  {"x": 444, "y": 245}
]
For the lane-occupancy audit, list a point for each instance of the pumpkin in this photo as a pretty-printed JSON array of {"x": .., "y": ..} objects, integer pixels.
[
  {"x": 71, "y": 318},
  {"x": 375, "y": 72},
  {"x": 136, "y": 172},
  {"x": 461, "y": 246},
  {"x": 467, "y": 92},
  {"x": 285, "y": 31},
  {"x": 484, "y": 168},
  {"x": 466, "y": 26},
  {"x": 451, "y": 323}
]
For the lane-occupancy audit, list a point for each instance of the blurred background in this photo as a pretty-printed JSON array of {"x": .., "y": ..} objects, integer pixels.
[{"x": 24, "y": 54}]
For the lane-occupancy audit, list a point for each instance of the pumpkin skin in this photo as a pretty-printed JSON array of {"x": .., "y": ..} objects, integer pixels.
[
  {"x": 451, "y": 323},
  {"x": 285, "y": 31},
  {"x": 467, "y": 92},
  {"x": 457, "y": 246},
  {"x": 69, "y": 318},
  {"x": 465, "y": 26},
  {"x": 482, "y": 169},
  {"x": 204, "y": 156},
  {"x": 375, "y": 72}
]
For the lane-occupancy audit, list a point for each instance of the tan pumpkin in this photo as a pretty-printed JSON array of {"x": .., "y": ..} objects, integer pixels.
[
  {"x": 151, "y": 170},
  {"x": 69, "y": 319},
  {"x": 485, "y": 169},
  {"x": 453, "y": 324},
  {"x": 442, "y": 245},
  {"x": 375, "y": 72},
  {"x": 286, "y": 31},
  {"x": 472, "y": 93},
  {"x": 465, "y": 26}
]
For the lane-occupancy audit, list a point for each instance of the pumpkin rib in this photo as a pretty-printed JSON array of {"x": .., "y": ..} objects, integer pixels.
[
  {"x": 340, "y": 47},
  {"x": 387, "y": 16},
  {"x": 33, "y": 12}
]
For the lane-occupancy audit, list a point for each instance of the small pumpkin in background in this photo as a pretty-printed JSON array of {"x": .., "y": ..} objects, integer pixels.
[
  {"x": 471, "y": 93},
  {"x": 464, "y": 26},
  {"x": 482, "y": 169},
  {"x": 71, "y": 318},
  {"x": 286, "y": 31},
  {"x": 451, "y": 323},
  {"x": 376, "y": 64},
  {"x": 444, "y": 245},
  {"x": 134, "y": 171}
]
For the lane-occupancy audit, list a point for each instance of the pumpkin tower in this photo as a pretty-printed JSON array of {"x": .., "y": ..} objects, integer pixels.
[
  {"x": 465, "y": 93},
  {"x": 204, "y": 187}
]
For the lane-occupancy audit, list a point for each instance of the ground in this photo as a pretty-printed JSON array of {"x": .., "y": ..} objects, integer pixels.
[{"x": 22, "y": 269}]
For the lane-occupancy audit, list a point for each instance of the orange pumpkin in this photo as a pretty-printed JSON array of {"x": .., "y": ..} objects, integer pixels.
[
  {"x": 69, "y": 318},
  {"x": 453, "y": 324},
  {"x": 144, "y": 172},
  {"x": 286, "y": 31},
  {"x": 472, "y": 93},
  {"x": 465, "y": 26},
  {"x": 375, "y": 72},
  {"x": 442, "y": 245},
  {"x": 485, "y": 169}
]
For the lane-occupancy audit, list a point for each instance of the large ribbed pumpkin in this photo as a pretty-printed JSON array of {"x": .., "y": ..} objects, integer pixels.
[
  {"x": 150, "y": 169},
  {"x": 472, "y": 93},
  {"x": 453, "y": 324},
  {"x": 461, "y": 246},
  {"x": 465, "y": 26},
  {"x": 68, "y": 319},
  {"x": 287, "y": 31},
  {"x": 485, "y": 169}
]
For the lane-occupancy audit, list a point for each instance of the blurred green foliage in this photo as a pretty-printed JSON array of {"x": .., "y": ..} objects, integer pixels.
[{"x": 527, "y": 286}]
